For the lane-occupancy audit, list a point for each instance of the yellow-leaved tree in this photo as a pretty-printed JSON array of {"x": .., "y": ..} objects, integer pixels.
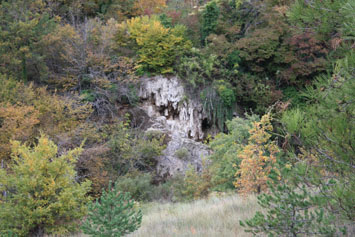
[
  {"x": 157, "y": 47},
  {"x": 258, "y": 159},
  {"x": 38, "y": 191}
]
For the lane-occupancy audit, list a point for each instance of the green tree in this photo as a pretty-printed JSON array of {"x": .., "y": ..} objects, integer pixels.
[
  {"x": 289, "y": 212},
  {"x": 322, "y": 16},
  {"x": 325, "y": 131},
  {"x": 112, "y": 215},
  {"x": 23, "y": 25},
  {"x": 318, "y": 197},
  {"x": 38, "y": 191},
  {"x": 209, "y": 20}
]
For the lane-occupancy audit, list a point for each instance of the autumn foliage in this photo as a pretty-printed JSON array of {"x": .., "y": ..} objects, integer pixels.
[
  {"x": 148, "y": 7},
  {"x": 17, "y": 123},
  {"x": 26, "y": 110},
  {"x": 259, "y": 158}
]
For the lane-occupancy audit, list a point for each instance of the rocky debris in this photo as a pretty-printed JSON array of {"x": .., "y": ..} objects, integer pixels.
[{"x": 171, "y": 164}]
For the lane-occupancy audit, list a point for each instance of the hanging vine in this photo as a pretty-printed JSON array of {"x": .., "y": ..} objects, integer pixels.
[{"x": 215, "y": 107}]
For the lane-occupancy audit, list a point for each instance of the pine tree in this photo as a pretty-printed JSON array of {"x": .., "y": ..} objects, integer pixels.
[
  {"x": 325, "y": 17},
  {"x": 113, "y": 214},
  {"x": 326, "y": 129},
  {"x": 289, "y": 212}
]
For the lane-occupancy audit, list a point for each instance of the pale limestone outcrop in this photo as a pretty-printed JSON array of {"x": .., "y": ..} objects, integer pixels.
[
  {"x": 179, "y": 117},
  {"x": 166, "y": 97}
]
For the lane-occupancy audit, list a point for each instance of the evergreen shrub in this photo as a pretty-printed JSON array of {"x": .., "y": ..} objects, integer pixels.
[{"x": 112, "y": 215}]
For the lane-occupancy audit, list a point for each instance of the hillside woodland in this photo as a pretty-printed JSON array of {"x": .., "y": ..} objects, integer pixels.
[{"x": 275, "y": 79}]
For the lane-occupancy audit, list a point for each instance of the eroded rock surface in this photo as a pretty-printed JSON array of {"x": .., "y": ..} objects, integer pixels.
[
  {"x": 178, "y": 117},
  {"x": 166, "y": 97}
]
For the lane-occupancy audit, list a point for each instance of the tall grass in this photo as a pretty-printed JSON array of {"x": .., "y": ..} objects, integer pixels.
[
  {"x": 212, "y": 217},
  {"x": 203, "y": 218}
]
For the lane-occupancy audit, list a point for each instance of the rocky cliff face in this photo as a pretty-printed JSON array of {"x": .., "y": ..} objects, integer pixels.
[
  {"x": 166, "y": 98},
  {"x": 180, "y": 118}
]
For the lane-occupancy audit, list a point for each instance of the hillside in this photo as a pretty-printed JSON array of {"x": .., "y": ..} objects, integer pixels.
[{"x": 121, "y": 116}]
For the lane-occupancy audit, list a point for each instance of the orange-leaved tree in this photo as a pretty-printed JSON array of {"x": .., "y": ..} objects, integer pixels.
[
  {"x": 16, "y": 122},
  {"x": 258, "y": 159}
]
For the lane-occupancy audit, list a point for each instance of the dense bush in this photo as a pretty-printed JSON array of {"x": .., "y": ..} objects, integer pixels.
[
  {"x": 26, "y": 110},
  {"x": 146, "y": 187},
  {"x": 139, "y": 186},
  {"x": 130, "y": 152},
  {"x": 148, "y": 7},
  {"x": 182, "y": 153},
  {"x": 197, "y": 68},
  {"x": 119, "y": 152},
  {"x": 195, "y": 184}
]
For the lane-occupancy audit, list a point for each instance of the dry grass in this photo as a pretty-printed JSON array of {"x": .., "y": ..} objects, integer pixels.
[
  {"x": 211, "y": 217},
  {"x": 203, "y": 218}
]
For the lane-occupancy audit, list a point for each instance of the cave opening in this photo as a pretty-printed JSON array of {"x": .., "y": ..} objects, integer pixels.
[{"x": 206, "y": 125}]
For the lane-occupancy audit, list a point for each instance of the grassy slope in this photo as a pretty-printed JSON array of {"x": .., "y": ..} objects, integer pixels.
[
  {"x": 211, "y": 217},
  {"x": 202, "y": 218}
]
